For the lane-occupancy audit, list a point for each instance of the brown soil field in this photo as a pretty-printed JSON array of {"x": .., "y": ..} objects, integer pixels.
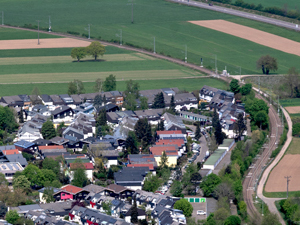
[
  {"x": 251, "y": 34},
  {"x": 293, "y": 109},
  {"x": 288, "y": 166},
  {"x": 44, "y": 43}
]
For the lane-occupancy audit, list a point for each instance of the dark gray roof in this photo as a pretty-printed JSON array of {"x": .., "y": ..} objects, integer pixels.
[
  {"x": 128, "y": 174},
  {"x": 46, "y": 98},
  {"x": 94, "y": 188},
  {"x": 17, "y": 158},
  {"x": 42, "y": 142},
  {"x": 61, "y": 109}
]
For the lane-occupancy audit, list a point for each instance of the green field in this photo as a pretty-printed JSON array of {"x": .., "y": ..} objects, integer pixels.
[
  {"x": 294, "y": 147},
  {"x": 291, "y": 4},
  {"x": 62, "y": 88},
  {"x": 157, "y": 18},
  {"x": 290, "y": 102},
  {"x": 11, "y": 34}
]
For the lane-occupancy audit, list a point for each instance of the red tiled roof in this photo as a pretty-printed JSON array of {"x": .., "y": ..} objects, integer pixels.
[
  {"x": 178, "y": 142},
  {"x": 51, "y": 147},
  {"x": 88, "y": 166},
  {"x": 169, "y": 132},
  {"x": 71, "y": 189},
  {"x": 11, "y": 152},
  {"x": 158, "y": 152},
  {"x": 151, "y": 167},
  {"x": 163, "y": 148}
]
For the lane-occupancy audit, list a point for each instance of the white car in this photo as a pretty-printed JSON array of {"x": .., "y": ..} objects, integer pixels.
[{"x": 201, "y": 212}]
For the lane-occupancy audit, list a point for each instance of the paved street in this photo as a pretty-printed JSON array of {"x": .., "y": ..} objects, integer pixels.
[{"x": 240, "y": 13}]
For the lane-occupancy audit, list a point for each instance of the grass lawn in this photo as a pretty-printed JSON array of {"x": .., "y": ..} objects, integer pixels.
[
  {"x": 157, "y": 18},
  {"x": 280, "y": 194},
  {"x": 62, "y": 88},
  {"x": 294, "y": 147},
  {"x": 291, "y": 4},
  {"x": 10, "y": 34},
  {"x": 290, "y": 102}
]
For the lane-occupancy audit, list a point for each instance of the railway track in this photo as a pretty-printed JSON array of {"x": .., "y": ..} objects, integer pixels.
[{"x": 252, "y": 178}]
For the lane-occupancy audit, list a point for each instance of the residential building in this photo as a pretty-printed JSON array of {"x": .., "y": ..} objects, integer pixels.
[
  {"x": 46, "y": 100},
  {"x": 88, "y": 167},
  {"x": 132, "y": 178},
  {"x": 62, "y": 114},
  {"x": 70, "y": 192},
  {"x": 9, "y": 169},
  {"x": 171, "y": 153},
  {"x": 119, "y": 191},
  {"x": 172, "y": 122},
  {"x": 56, "y": 100},
  {"x": 193, "y": 117},
  {"x": 141, "y": 215}
]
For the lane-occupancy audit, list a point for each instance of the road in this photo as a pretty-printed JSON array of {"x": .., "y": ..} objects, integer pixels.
[
  {"x": 252, "y": 178},
  {"x": 234, "y": 12}
]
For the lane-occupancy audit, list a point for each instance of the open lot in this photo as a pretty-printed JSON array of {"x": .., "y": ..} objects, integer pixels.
[
  {"x": 157, "y": 19},
  {"x": 288, "y": 166},
  {"x": 293, "y": 109},
  {"x": 254, "y": 35}
]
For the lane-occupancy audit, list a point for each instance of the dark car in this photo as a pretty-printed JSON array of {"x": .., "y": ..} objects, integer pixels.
[{"x": 210, "y": 4}]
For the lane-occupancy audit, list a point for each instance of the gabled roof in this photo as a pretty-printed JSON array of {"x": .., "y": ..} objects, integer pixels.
[
  {"x": 150, "y": 166},
  {"x": 42, "y": 141},
  {"x": 61, "y": 109},
  {"x": 71, "y": 189},
  {"x": 169, "y": 132},
  {"x": 87, "y": 166},
  {"x": 178, "y": 142},
  {"x": 116, "y": 188},
  {"x": 10, "y": 152},
  {"x": 51, "y": 147},
  {"x": 94, "y": 188},
  {"x": 46, "y": 98},
  {"x": 24, "y": 144}
]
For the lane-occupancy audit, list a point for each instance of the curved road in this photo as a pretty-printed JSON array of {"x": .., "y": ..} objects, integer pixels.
[{"x": 235, "y": 12}]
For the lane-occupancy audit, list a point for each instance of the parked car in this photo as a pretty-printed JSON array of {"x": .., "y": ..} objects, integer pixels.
[
  {"x": 210, "y": 4},
  {"x": 201, "y": 212}
]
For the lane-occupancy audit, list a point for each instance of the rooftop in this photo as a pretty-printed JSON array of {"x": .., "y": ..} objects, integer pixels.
[
  {"x": 71, "y": 189},
  {"x": 215, "y": 157}
]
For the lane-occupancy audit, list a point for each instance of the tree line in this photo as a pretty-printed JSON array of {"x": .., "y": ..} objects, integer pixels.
[{"x": 95, "y": 49}]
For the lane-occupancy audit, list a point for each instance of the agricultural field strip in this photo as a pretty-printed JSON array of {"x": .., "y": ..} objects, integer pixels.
[
  {"x": 251, "y": 34},
  {"x": 44, "y": 43},
  {"x": 92, "y": 76},
  {"x": 293, "y": 109},
  {"x": 294, "y": 147},
  {"x": 68, "y": 59}
]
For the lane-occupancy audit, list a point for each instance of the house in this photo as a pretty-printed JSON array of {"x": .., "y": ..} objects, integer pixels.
[
  {"x": 207, "y": 93},
  {"x": 89, "y": 97},
  {"x": 193, "y": 117},
  {"x": 176, "y": 141},
  {"x": 59, "y": 141},
  {"x": 73, "y": 132},
  {"x": 67, "y": 99},
  {"x": 62, "y": 114},
  {"x": 171, "y": 152},
  {"x": 56, "y": 100},
  {"x": 8, "y": 169},
  {"x": 51, "y": 149},
  {"x": 132, "y": 178},
  {"x": 12, "y": 101},
  {"x": 26, "y": 101},
  {"x": 96, "y": 201},
  {"x": 142, "y": 160},
  {"x": 185, "y": 100},
  {"x": 76, "y": 100},
  {"x": 70, "y": 192},
  {"x": 141, "y": 215},
  {"x": 115, "y": 117},
  {"x": 153, "y": 115},
  {"x": 108, "y": 108},
  {"x": 25, "y": 146},
  {"x": 9, "y": 154},
  {"x": 88, "y": 167},
  {"x": 119, "y": 191},
  {"x": 94, "y": 189},
  {"x": 172, "y": 122},
  {"x": 93, "y": 217},
  {"x": 30, "y": 131},
  {"x": 23, "y": 209},
  {"x": 46, "y": 100},
  {"x": 110, "y": 155},
  {"x": 42, "y": 190},
  {"x": 42, "y": 218},
  {"x": 42, "y": 142},
  {"x": 167, "y": 92},
  {"x": 87, "y": 108}
]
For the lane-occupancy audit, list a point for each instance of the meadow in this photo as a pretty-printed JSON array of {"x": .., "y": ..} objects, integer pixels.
[
  {"x": 290, "y": 102},
  {"x": 291, "y": 4},
  {"x": 62, "y": 88},
  {"x": 160, "y": 19}
]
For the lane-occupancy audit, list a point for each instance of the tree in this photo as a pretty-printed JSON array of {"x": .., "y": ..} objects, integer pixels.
[
  {"x": 110, "y": 83},
  {"x": 3, "y": 179},
  {"x": 110, "y": 174},
  {"x": 130, "y": 102},
  {"x": 48, "y": 194},
  {"x": 48, "y": 130},
  {"x": 34, "y": 175},
  {"x": 76, "y": 87},
  {"x": 163, "y": 160},
  {"x": 98, "y": 85},
  {"x": 221, "y": 214},
  {"x": 78, "y": 53},
  {"x": 232, "y": 220},
  {"x": 270, "y": 219},
  {"x": 198, "y": 132},
  {"x": 242, "y": 206},
  {"x": 261, "y": 119},
  {"x": 234, "y": 86},
  {"x": 239, "y": 126},
  {"x": 12, "y": 216},
  {"x": 21, "y": 182},
  {"x": 246, "y": 89},
  {"x": 21, "y": 116},
  {"x": 151, "y": 183},
  {"x": 185, "y": 206},
  {"x": 59, "y": 129},
  {"x": 143, "y": 131},
  {"x": 51, "y": 164},
  {"x": 172, "y": 104},
  {"x": 101, "y": 119},
  {"x": 95, "y": 49},
  {"x": 107, "y": 207},
  {"x": 176, "y": 188},
  {"x": 215, "y": 118},
  {"x": 266, "y": 64},
  {"x": 24, "y": 221},
  {"x": 196, "y": 178},
  {"x": 98, "y": 101},
  {"x": 134, "y": 212},
  {"x": 159, "y": 101},
  {"x": 49, "y": 175},
  {"x": 35, "y": 99},
  {"x": 144, "y": 102},
  {"x": 3, "y": 209},
  {"x": 131, "y": 143},
  {"x": 80, "y": 178},
  {"x": 132, "y": 87},
  {"x": 209, "y": 184},
  {"x": 292, "y": 81},
  {"x": 224, "y": 189},
  {"x": 219, "y": 134}
]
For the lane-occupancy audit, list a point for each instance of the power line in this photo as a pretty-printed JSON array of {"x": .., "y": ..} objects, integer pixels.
[
  {"x": 2, "y": 18},
  {"x": 49, "y": 24},
  {"x": 38, "y": 32},
  {"x": 287, "y": 185}
]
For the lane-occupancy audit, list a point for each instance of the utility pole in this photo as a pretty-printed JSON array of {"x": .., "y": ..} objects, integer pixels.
[
  {"x": 38, "y": 32},
  {"x": 278, "y": 105},
  {"x": 185, "y": 58},
  {"x": 216, "y": 64},
  {"x": 49, "y": 24},
  {"x": 2, "y": 18},
  {"x": 287, "y": 185},
  {"x": 240, "y": 74},
  {"x": 259, "y": 84},
  {"x": 154, "y": 46},
  {"x": 89, "y": 31},
  {"x": 120, "y": 36}
]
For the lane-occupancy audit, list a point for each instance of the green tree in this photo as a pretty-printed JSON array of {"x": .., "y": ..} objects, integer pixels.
[
  {"x": 261, "y": 119},
  {"x": 3, "y": 179},
  {"x": 144, "y": 102},
  {"x": 159, "y": 101},
  {"x": 24, "y": 221},
  {"x": 291, "y": 79},
  {"x": 266, "y": 64},
  {"x": 48, "y": 194},
  {"x": 35, "y": 99},
  {"x": 176, "y": 188},
  {"x": 234, "y": 86},
  {"x": 78, "y": 53},
  {"x": 239, "y": 126},
  {"x": 76, "y": 87},
  {"x": 131, "y": 143},
  {"x": 151, "y": 183},
  {"x": 95, "y": 49},
  {"x": 59, "y": 129},
  {"x": 209, "y": 184},
  {"x": 80, "y": 178},
  {"x": 3, "y": 209},
  {"x": 21, "y": 116},
  {"x": 185, "y": 206},
  {"x": 134, "y": 212},
  {"x": 198, "y": 132},
  {"x": 163, "y": 160},
  {"x": 219, "y": 134},
  {"x": 130, "y": 102},
  {"x": 196, "y": 178},
  {"x": 270, "y": 219},
  {"x": 51, "y": 164},
  {"x": 101, "y": 119},
  {"x": 107, "y": 207},
  {"x": 110, "y": 174},
  {"x": 34, "y": 175},
  {"x": 215, "y": 119},
  {"x": 246, "y": 89},
  {"x": 12, "y": 216},
  {"x": 132, "y": 87},
  {"x": 21, "y": 182},
  {"x": 49, "y": 175},
  {"x": 98, "y": 85},
  {"x": 110, "y": 83},
  {"x": 98, "y": 101},
  {"x": 48, "y": 130},
  {"x": 143, "y": 131},
  {"x": 242, "y": 207},
  {"x": 232, "y": 220},
  {"x": 172, "y": 105}
]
